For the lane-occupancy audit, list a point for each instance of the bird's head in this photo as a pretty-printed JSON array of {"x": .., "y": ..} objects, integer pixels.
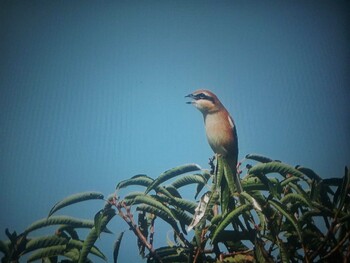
[{"x": 205, "y": 101}]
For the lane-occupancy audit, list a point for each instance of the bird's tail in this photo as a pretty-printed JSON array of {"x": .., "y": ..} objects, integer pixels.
[
  {"x": 230, "y": 183},
  {"x": 233, "y": 167}
]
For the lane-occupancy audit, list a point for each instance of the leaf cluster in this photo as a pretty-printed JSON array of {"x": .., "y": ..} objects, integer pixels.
[
  {"x": 270, "y": 212},
  {"x": 65, "y": 245}
]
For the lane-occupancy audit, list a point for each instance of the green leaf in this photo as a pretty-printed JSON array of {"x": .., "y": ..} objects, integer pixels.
[
  {"x": 228, "y": 219},
  {"x": 79, "y": 197},
  {"x": 271, "y": 187},
  {"x": 294, "y": 197},
  {"x": 214, "y": 198},
  {"x": 289, "y": 180},
  {"x": 49, "y": 252},
  {"x": 144, "y": 180},
  {"x": 73, "y": 254},
  {"x": 173, "y": 191},
  {"x": 94, "y": 234},
  {"x": 299, "y": 190},
  {"x": 117, "y": 246},
  {"x": 171, "y": 174},
  {"x": 283, "y": 251},
  {"x": 100, "y": 217},
  {"x": 161, "y": 214},
  {"x": 252, "y": 201},
  {"x": 79, "y": 245},
  {"x": 344, "y": 190},
  {"x": 333, "y": 181},
  {"x": 280, "y": 207},
  {"x": 171, "y": 255},
  {"x": 232, "y": 240},
  {"x": 253, "y": 183},
  {"x": 63, "y": 230},
  {"x": 344, "y": 219},
  {"x": 140, "y": 179},
  {"x": 61, "y": 220},
  {"x": 258, "y": 158},
  {"x": 143, "y": 225},
  {"x": 189, "y": 179},
  {"x": 261, "y": 255},
  {"x": 182, "y": 217},
  {"x": 42, "y": 242},
  {"x": 4, "y": 248},
  {"x": 275, "y": 167},
  {"x": 309, "y": 173},
  {"x": 12, "y": 237},
  {"x": 145, "y": 199},
  {"x": 184, "y": 204}
]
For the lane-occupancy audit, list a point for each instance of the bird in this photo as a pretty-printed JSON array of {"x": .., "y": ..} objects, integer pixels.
[{"x": 220, "y": 129}]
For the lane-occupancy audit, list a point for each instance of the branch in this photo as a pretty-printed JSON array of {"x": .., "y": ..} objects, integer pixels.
[{"x": 129, "y": 219}]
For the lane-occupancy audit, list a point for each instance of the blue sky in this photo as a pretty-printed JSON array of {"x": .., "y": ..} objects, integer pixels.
[{"x": 93, "y": 93}]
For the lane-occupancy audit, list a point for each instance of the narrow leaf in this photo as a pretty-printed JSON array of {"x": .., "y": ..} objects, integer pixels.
[
  {"x": 345, "y": 188},
  {"x": 42, "y": 242},
  {"x": 79, "y": 197},
  {"x": 48, "y": 252},
  {"x": 252, "y": 201},
  {"x": 184, "y": 204},
  {"x": 292, "y": 197},
  {"x": 78, "y": 244},
  {"x": 283, "y": 251},
  {"x": 145, "y": 199},
  {"x": 290, "y": 218},
  {"x": 93, "y": 235},
  {"x": 117, "y": 246},
  {"x": 189, "y": 179},
  {"x": 61, "y": 220},
  {"x": 271, "y": 187},
  {"x": 100, "y": 217},
  {"x": 261, "y": 255},
  {"x": 259, "y": 158},
  {"x": 4, "y": 248},
  {"x": 275, "y": 167},
  {"x": 140, "y": 179},
  {"x": 183, "y": 218},
  {"x": 288, "y": 180},
  {"x": 172, "y": 173},
  {"x": 309, "y": 173},
  {"x": 161, "y": 214},
  {"x": 253, "y": 183},
  {"x": 228, "y": 219}
]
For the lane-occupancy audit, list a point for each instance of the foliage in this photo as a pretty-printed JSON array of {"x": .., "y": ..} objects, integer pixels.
[{"x": 275, "y": 213}]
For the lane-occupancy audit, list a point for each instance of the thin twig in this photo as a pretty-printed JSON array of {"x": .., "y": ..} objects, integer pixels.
[
  {"x": 337, "y": 246},
  {"x": 128, "y": 218}
]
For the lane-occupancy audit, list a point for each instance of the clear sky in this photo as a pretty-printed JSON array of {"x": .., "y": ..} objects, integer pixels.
[{"x": 92, "y": 92}]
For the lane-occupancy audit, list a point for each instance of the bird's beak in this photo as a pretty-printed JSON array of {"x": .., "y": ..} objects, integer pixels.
[{"x": 189, "y": 96}]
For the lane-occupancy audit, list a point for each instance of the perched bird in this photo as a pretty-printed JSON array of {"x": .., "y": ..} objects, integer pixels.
[{"x": 220, "y": 128}]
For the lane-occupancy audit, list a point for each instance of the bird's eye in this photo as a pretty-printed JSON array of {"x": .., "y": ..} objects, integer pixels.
[{"x": 202, "y": 96}]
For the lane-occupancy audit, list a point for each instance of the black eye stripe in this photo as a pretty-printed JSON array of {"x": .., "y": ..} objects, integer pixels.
[{"x": 202, "y": 96}]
